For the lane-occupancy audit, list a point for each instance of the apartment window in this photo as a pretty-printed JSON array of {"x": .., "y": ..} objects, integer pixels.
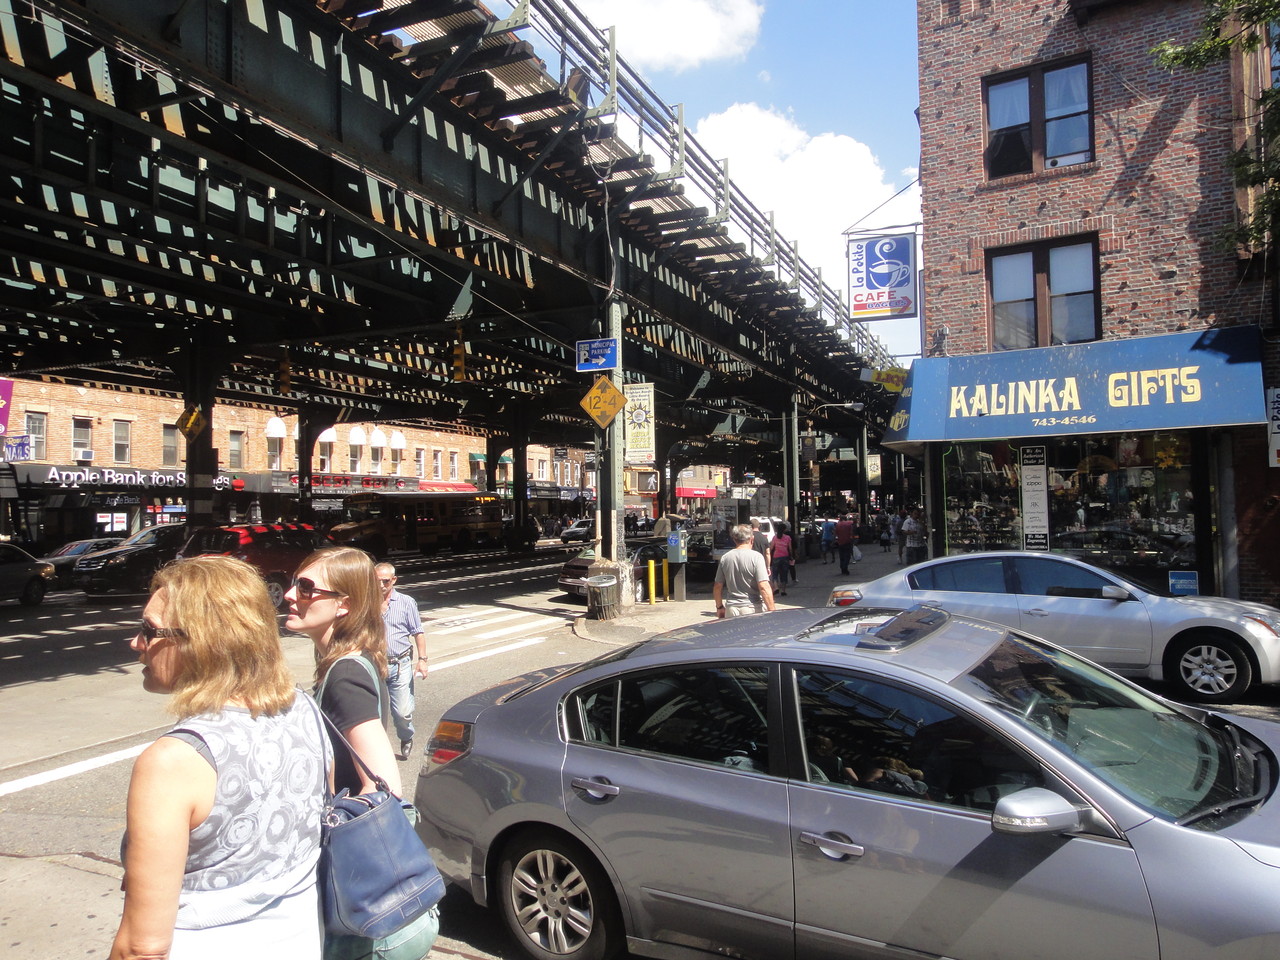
[
  {"x": 121, "y": 431},
  {"x": 235, "y": 450},
  {"x": 169, "y": 445},
  {"x": 556, "y": 472},
  {"x": 356, "y": 451},
  {"x": 396, "y": 456},
  {"x": 375, "y": 457},
  {"x": 1039, "y": 120},
  {"x": 275, "y": 453},
  {"x": 326, "y": 456},
  {"x": 577, "y": 474},
  {"x": 540, "y": 470},
  {"x": 81, "y": 438},
  {"x": 37, "y": 427},
  {"x": 437, "y": 465},
  {"x": 420, "y": 463},
  {"x": 453, "y": 465},
  {"x": 1044, "y": 295}
]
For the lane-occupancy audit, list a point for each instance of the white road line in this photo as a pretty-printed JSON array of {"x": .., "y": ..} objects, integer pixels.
[
  {"x": 83, "y": 766},
  {"x": 71, "y": 770},
  {"x": 473, "y": 620},
  {"x": 505, "y": 631}
]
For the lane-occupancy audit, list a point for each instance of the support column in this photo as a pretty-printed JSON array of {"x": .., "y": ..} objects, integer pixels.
[
  {"x": 494, "y": 446},
  {"x": 791, "y": 463},
  {"x": 519, "y": 478},
  {"x": 199, "y": 370}
]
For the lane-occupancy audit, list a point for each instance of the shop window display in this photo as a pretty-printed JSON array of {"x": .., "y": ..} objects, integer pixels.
[{"x": 1123, "y": 501}]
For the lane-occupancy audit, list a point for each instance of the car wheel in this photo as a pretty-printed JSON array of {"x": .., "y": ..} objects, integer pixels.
[
  {"x": 32, "y": 593},
  {"x": 556, "y": 900},
  {"x": 1208, "y": 668},
  {"x": 276, "y": 589}
]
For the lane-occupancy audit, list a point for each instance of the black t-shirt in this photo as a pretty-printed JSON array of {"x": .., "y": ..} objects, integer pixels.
[{"x": 350, "y": 699}]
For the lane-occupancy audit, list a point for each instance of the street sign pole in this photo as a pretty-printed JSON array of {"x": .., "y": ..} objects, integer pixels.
[{"x": 611, "y": 509}]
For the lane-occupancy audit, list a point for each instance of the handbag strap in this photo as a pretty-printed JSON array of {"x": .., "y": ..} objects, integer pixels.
[{"x": 377, "y": 780}]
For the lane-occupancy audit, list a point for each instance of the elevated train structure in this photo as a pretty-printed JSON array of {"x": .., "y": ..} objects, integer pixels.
[{"x": 392, "y": 211}]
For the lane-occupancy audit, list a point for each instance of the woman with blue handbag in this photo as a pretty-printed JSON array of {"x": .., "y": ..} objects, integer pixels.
[
  {"x": 336, "y": 601},
  {"x": 224, "y": 811}
]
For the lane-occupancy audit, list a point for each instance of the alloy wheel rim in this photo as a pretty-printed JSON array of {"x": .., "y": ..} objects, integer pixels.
[
  {"x": 1208, "y": 669},
  {"x": 552, "y": 902}
]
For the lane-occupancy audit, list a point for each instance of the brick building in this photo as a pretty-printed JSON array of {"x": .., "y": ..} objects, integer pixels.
[
  {"x": 101, "y": 461},
  {"x": 1095, "y": 357}
]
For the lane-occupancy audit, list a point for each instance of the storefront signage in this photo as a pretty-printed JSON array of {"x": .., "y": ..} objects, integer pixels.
[
  {"x": 347, "y": 483},
  {"x": 1273, "y": 425},
  {"x": 1211, "y": 378},
  {"x": 1034, "y": 521},
  {"x": 72, "y": 478},
  {"x": 17, "y": 448},
  {"x": 1184, "y": 583},
  {"x": 705, "y": 493},
  {"x": 6, "y": 404}
]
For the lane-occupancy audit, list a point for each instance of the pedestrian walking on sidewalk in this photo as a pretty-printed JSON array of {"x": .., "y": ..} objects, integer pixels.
[
  {"x": 742, "y": 579},
  {"x": 406, "y": 654}
]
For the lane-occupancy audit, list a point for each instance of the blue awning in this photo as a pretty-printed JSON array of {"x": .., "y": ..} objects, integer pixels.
[{"x": 1208, "y": 379}]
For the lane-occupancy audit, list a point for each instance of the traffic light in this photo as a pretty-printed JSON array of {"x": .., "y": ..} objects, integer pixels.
[
  {"x": 284, "y": 376},
  {"x": 459, "y": 358}
]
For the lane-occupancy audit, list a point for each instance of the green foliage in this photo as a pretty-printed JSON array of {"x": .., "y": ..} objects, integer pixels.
[{"x": 1241, "y": 25}]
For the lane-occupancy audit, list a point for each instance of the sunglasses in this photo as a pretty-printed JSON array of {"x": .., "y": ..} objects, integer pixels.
[
  {"x": 149, "y": 633},
  {"x": 307, "y": 590},
  {"x": 386, "y": 581}
]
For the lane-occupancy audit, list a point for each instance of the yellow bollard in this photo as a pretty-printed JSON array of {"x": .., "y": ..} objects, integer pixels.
[
  {"x": 652, "y": 583},
  {"x": 666, "y": 579}
]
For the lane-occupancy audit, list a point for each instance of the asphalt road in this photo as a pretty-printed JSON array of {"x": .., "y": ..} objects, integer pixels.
[{"x": 75, "y": 714}]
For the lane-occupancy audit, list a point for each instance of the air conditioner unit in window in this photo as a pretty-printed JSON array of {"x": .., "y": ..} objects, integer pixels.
[{"x": 82, "y": 455}]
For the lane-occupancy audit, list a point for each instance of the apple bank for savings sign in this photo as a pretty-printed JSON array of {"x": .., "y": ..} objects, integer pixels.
[{"x": 882, "y": 277}]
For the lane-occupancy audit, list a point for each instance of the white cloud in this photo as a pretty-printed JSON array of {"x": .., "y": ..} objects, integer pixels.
[
  {"x": 817, "y": 187},
  {"x": 678, "y": 34}
]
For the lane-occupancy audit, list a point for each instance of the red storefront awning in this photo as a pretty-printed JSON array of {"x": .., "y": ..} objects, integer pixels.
[
  {"x": 445, "y": 486},
  {"x": 707, "y": 493}
]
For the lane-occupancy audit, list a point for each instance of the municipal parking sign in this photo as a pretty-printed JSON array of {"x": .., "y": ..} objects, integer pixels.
[{"x": 597, "y": 354}]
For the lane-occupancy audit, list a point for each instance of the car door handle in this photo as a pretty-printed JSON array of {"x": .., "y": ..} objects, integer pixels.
[
  {"x": 596, "y": 789},
  {"x": 836, "y": 846},
  {"x": 1037, "y": 612}
]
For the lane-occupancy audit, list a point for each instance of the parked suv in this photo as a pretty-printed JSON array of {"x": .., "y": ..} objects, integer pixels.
[
  {"x": 127, "y": 568},
  {"x": 276, "y": 549}
]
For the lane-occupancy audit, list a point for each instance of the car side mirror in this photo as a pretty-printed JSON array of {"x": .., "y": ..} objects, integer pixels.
[
  {"x": 1112, "y": 592},
  {"x": 1036, "y": 810}
]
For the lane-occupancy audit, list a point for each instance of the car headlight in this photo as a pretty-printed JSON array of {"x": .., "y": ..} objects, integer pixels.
[
  {"x": 1272, "y": 623},
  {"x": 123, "y": 558},
  {"x": 844, "y": 597}
]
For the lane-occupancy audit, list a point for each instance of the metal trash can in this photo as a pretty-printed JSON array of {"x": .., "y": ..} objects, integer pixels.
[{"x": 603, "y": 598}]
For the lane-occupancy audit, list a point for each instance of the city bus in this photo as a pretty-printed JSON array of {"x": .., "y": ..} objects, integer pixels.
[{"x": 386, "y": 521}]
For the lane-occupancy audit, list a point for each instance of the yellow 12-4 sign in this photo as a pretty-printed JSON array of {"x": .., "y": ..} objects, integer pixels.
[{"x": 603, "y": 401}]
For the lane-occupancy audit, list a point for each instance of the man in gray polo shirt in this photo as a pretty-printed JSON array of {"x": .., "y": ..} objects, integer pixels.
[{"x": 742, "y": 579}]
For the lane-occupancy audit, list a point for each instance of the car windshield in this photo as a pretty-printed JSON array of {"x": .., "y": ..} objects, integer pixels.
[
  {"x": 1175, "y": 766},
  {"x": 73, "y": 549},
  {"x": 146, "y": 535}
]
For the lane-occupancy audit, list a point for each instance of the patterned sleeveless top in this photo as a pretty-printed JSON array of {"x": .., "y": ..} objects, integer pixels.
[{"x": 261, "y": 840}]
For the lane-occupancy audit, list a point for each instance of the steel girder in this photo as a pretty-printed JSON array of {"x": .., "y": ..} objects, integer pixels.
[{"x": 221, "y": 170}]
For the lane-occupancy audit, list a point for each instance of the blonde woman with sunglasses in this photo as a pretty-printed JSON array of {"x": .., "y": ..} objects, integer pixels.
[
  {"x": 223, "y": 814},
  {"x": 336, "y": 601}
]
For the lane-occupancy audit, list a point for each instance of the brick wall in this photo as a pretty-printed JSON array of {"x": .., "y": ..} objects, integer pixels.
[
  {"x": 1157, "y": 195},
  {"x": 62, "y": 403}
]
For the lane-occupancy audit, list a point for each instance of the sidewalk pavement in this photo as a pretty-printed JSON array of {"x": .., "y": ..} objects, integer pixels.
[{"x": 814, "y": 580}]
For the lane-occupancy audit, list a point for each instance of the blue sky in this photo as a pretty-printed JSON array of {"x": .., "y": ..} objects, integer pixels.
[{"x": 813, "y": 104}]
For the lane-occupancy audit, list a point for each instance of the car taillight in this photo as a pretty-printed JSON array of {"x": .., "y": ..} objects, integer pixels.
[
  {"x": 450, "y": 741},
  {"x": 844, "y": 597}
]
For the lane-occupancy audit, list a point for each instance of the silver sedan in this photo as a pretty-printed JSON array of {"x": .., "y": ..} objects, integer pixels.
[
  {"x": 842, "y": 784},
  {"x": 1211, "y": 649}
]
